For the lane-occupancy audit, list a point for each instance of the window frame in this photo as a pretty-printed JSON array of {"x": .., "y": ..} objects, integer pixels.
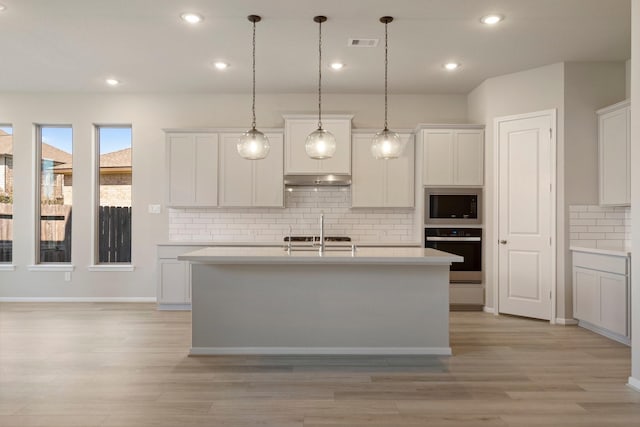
[
  {"x": 38, "y": 265},
  {"x": 96, "y": 265},
  {"x": 10, "y": 265}
]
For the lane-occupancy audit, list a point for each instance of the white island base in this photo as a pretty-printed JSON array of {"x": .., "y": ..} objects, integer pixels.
[{"x": 264, "y": 301}]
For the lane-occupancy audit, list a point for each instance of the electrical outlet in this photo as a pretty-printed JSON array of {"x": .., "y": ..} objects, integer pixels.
[
  {"x": 154, "y": 209},
  {"x": 67, "y": 276}
]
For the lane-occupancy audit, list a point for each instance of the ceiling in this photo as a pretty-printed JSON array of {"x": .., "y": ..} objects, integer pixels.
[{"x": 74, "y": 45}]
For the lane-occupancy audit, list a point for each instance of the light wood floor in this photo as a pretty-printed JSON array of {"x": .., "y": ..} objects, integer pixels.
[{"x": 127, "y": 365}]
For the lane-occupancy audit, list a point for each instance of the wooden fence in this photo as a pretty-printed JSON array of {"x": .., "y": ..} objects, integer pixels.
[
  {"x": 114, "y": 234},
  {"x": 55, "y": 233}
]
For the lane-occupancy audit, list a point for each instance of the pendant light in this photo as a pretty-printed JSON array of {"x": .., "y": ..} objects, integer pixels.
[
  {"x": 253, "y": 144},
  {"x": 386, "y": 144},
  {"x": 320, "y": 144}
]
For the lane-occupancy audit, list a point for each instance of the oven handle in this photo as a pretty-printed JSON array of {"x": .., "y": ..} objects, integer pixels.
[{"x": 453, "y": 239}]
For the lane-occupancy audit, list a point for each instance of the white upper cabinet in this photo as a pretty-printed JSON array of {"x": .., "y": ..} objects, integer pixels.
[
  {"x": 614, "y": 145},
  {"x": 192, "y": 169},
  {"x": 251, "y": 183},
  {"x": 298, "y": 127},
  {"x": 382, "y": 183},
  {"x": 453, "y": 157}
]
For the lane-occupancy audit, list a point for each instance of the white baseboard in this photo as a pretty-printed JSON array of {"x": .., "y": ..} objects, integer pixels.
[
  {"x": 174, "y": 307},
  {"x": 566, "y": 322},
  {"x": 77, "y": 299},
  {"x": 377, "y": 351},
  {"x": 488, "y": 309},
  {"x": 634, "y": 383},
  {"x": 605, "y": 332}
]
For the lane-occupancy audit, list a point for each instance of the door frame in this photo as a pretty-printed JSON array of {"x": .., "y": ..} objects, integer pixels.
[{"x": 497, "y": 121}]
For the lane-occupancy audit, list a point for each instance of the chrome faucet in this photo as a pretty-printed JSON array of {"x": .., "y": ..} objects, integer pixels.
[{"x": 321, "y": 233}]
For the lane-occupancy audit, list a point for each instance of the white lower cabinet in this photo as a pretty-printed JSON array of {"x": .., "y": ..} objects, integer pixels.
[
  {"x": 601, "y": 294},
  {"x": 585, "y": 294},
  {"x": 173, "y": 278},
  {"x": 174, "y": 282}
]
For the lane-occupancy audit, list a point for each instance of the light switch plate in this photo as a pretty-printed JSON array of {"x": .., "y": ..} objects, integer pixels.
[
  {"x": 154, "y": 209},
  {"x": 67, "y": 276}
]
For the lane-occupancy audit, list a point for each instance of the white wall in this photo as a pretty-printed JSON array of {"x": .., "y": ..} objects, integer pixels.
[
  {"x": 588, "y": 86},
  {"x": 149, "y": 114},
  {"x": 576, "y": 90},
  {"x": 524, "y": 92},
  {"x": 635, "y": 192}
]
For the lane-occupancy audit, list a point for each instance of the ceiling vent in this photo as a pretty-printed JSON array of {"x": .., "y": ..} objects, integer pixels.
[{"x": 362, "y": 42}]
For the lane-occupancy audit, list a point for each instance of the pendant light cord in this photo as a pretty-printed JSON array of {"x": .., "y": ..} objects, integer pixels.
[
  {"x": 320, "y": 75},
  {"x": 386, "y": 66},
  {"x": 253, "y": 92}
]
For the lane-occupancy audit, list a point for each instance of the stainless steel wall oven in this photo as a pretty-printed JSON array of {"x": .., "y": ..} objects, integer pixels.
[{"x": 466, "y": 242}]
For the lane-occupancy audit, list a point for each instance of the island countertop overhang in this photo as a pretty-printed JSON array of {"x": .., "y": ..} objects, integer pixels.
[{"x": 262, "y": 255}]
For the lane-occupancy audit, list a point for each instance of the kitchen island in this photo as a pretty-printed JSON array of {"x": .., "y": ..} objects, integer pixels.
[{"x": 270, "y": 301}]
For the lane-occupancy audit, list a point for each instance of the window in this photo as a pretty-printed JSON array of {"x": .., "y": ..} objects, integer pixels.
[
  {"x": 114, "y": 194},
  {"x": 55, "y": 147},
  {"x": 6, "y": 194}
]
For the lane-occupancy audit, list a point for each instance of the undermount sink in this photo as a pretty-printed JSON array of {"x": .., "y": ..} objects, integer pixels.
[{"x": 318, "y": 248}]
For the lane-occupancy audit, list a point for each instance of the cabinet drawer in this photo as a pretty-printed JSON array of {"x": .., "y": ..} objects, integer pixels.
[{"x": 608, "y": 263}]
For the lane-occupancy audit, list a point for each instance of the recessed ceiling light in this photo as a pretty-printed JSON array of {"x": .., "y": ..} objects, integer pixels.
[
  {"x": 221, "y": 65},
  {"x": 112, "y": 82},
  {"x": 3, "y": 8},
  {"x": 337, "y": 65},
  {"x": 192, "y": 18},
  {"x": 492, "y": 19},
  {"x": 450, "y": 66}
]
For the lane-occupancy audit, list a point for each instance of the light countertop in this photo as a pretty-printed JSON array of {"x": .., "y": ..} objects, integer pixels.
[
  {"x": 266, "y": 255},
  {"x": 215, "y": 244},
  {"x": 615, "y": 251},
  {"x": 281, "y": 244}
]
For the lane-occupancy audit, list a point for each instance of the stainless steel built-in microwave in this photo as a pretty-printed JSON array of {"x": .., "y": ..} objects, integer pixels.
[{"x": 453, "y": 206}]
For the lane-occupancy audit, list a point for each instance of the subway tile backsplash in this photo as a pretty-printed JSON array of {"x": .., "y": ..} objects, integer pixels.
[
  {"x": 600, "y": 226},
  {"x": 303, "y": 208}
]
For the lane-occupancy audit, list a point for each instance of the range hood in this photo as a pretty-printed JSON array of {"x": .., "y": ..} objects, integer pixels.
[{"x": 328, "y": 180}]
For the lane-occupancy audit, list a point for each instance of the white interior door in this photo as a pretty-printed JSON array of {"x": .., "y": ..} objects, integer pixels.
[{"x": 525, "y": 214}]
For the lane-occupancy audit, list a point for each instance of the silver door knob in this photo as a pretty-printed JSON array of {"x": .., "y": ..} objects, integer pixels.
[{"x": 503, "y": 242}]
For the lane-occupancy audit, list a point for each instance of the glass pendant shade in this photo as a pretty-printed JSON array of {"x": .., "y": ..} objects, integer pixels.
[
  {"x": 253, "y": 145},
  {"x": 386, "y": 145},
  {"x": 320, "y": 144}
]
